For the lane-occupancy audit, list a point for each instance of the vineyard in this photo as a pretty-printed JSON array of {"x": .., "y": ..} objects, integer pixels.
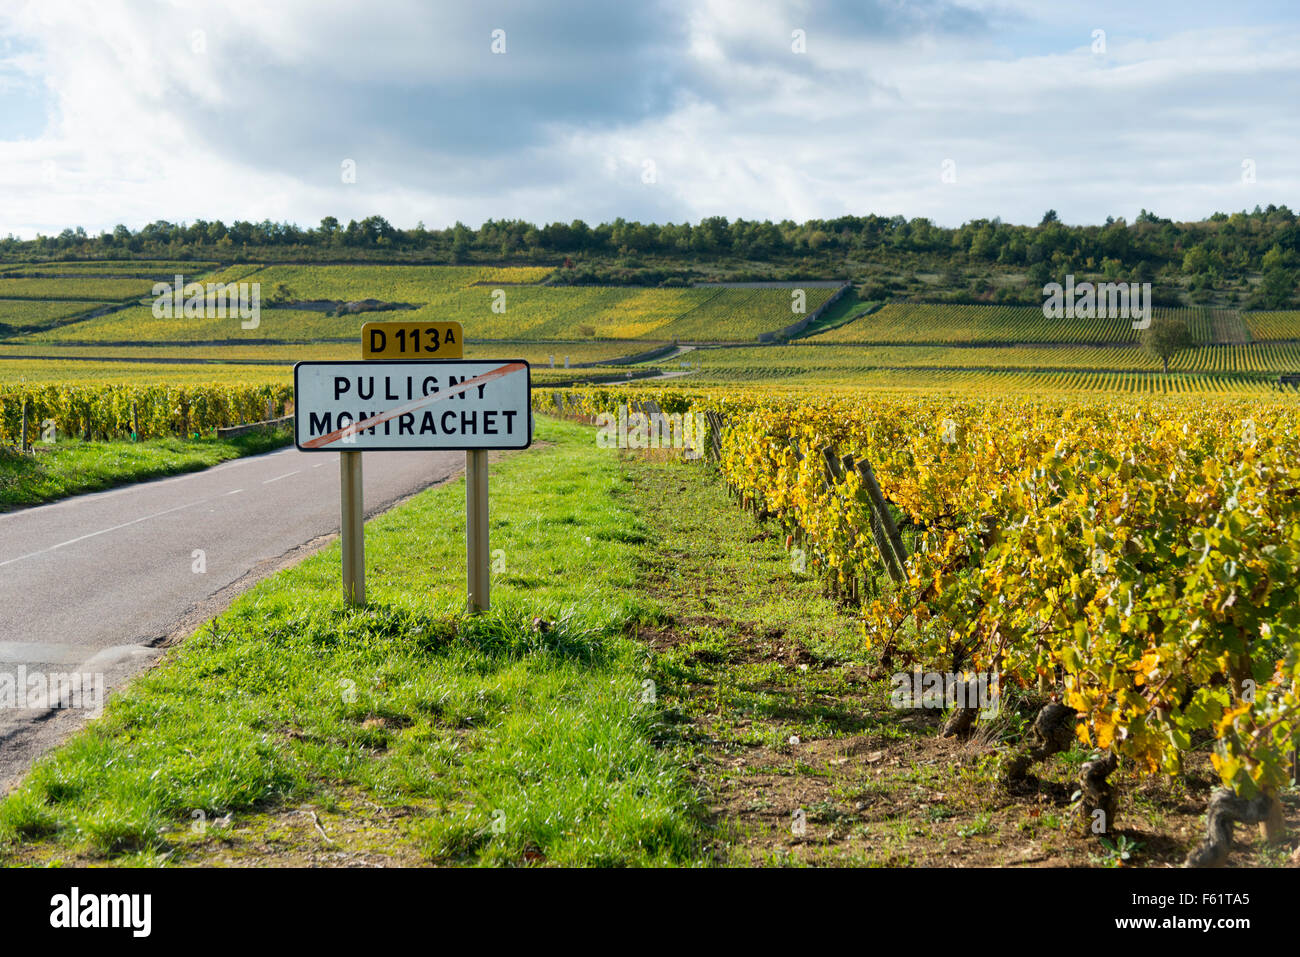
[
  {"x": 120, "y": 411},
  {"x": 577, "y": 312},
  {"x": 92, "y": 288},
  {"x": 1130, "y": 566},
  {"x": 25, "y": 315},
  {"x": 920, "y": 380},
  {"x": 76, "y": 371},
  {"x": 1271, "y": 326},
  {"x": 142, "y": 268},
  {"x": 926, "y": 323},
  {"x": 848, "y": 364},
  {"x": 139, "y": 324}
]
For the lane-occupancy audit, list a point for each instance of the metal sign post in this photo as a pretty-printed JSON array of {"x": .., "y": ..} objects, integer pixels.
[
  {"x": 478, "y": 576},
  {"x": 353, "y": 528}
]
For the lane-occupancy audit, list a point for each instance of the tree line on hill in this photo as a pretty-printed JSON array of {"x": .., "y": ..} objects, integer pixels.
[{"x": 1199, "y": 256}]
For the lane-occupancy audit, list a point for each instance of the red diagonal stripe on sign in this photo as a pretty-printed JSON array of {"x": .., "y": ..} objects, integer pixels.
[{"x": 420, "y": 403}]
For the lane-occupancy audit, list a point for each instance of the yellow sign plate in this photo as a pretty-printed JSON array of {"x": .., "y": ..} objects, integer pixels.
[{"x": 412, "y": 340}]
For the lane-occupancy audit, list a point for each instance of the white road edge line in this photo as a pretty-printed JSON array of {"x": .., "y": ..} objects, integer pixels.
[
  {"x": 284, "y": 476},
  {"x": 102, "y": 531}
]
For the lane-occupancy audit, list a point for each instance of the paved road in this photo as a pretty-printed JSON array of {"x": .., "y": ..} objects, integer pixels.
[{"x": 95, "y": 584}]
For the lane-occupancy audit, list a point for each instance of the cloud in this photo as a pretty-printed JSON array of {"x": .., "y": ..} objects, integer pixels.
[{"x": 240, "y": 109}]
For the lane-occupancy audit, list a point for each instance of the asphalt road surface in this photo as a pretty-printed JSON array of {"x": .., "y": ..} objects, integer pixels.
[{"x": 97, "y": 583}]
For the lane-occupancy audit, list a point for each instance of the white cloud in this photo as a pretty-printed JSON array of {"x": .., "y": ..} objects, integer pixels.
[{"x": 256, "y": 126}]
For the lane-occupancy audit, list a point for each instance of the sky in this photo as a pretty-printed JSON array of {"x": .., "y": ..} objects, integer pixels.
[{"x": 129, "y": 111}]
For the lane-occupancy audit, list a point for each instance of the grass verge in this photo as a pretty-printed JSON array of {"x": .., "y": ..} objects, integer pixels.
[
  {"x": 293, "y": 730},
  {"x": 73, "y": 467}
]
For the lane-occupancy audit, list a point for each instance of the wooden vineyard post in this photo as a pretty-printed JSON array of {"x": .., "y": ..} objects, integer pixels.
[
  {"x": 715, "y": 435},
  {"x": 135, "y": 422},
  {"x": 353, "y": 528},
  {"x": 22, "y": 447},
  {"x": 476, "y": 530},
  {"x": 652, "y": 414},
  {"x": 796, "y": 531},
  {"x": 892, "y": 543},
  {"x": 832, "y": 474}
]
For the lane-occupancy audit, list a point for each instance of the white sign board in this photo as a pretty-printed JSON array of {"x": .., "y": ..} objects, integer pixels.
[{"x": 376, "y": 406}]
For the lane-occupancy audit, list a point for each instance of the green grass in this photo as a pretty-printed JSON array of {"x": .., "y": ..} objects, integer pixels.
[
  {"x": 520, "y": 736},
  {"x": 845, "y": 309},
  {"x": 73, "y": 467}
]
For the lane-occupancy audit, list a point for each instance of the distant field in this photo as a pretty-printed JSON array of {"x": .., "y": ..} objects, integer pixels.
[
  {"x": 604, "y": 312},
  {"x": 540, "y": 355},
  {"x": 768, "y": 361},
  {"x": 80, "y": 287},
  {"x": 1265, "y": 326},
  {"x": 530, "y": 313},
  {"x": 15, "y": 372},
  {"x": 162, "y": 269},
  {"x": 417, "y": 285},
  {"x": 971, "y": 381},
  {"x": 138, "y": 324},
  {"x": 23, "y": 315},
  {"x": 933, "y": 323},
  {"x": 573, "y": 313},
  {"x": 508, "y": 315},
  {"x": 235, "y": 273},
  {"x": 738, "y": 315},
  {"x": 568, "y": 312},
  {"x": 492, "y": 303}
]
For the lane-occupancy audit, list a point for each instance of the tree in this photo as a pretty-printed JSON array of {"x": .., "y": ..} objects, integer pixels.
[
  {"x": 1277, "y": 288},
  {"x": 1165, "y": 338},
  {"x": 1197, "y": 260},
  {"x": 460, "y": 241},
  {"x": 1273, "y": 258},
  {"x": 1049, "y": 217}
]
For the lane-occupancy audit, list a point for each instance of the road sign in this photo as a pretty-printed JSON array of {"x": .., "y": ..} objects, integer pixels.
[
  {"x": 376, "y": 406},
  {"x": 412, "y": 340}
]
